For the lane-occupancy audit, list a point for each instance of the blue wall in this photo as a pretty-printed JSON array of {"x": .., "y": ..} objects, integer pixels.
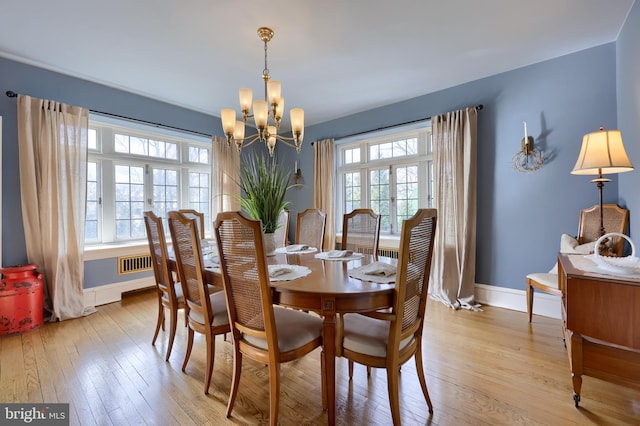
[
  {"x": 628, "y": 90},
  {"x": 44, "y": 84},
  {"x": 520, "y": 216}
]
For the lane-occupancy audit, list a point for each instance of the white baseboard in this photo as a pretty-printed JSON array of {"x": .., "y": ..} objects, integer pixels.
[
  {"x": 543, "y": 304},
  {"x": 508, "y": 298},
  {"x": 110, "y": 293}
]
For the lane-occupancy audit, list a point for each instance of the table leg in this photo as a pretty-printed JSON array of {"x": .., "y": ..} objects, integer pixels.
[{"x": 329, "y": 343}]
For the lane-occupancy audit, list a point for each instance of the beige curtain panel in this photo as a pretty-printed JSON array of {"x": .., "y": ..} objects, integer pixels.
[
  {"x": 324, "y": 187},
  {"x": 454, "y": 165},
  {"x": 52, "y": 139},
  {"x": 225, "y": 177}
]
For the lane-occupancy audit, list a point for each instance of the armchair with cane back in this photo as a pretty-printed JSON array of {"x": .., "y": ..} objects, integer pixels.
[{"x": 615, "y": 219}]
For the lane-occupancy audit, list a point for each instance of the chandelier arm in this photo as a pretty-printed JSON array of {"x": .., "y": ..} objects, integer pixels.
[{"x": 248, "y": 141}]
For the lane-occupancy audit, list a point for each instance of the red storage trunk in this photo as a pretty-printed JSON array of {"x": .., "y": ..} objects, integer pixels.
[{"x": 21, "y": 299}]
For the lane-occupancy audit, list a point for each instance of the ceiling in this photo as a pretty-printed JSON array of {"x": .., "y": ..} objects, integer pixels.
[{"x": 334, "y": 57}]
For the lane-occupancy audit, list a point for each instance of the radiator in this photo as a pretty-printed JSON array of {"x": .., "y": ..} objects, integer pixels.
[
  {"x": 388, "y": 252},
  {"x": 133, "y": 264}
]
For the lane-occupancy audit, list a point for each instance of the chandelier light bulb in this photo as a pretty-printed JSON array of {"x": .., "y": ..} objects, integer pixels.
[{"x": 246, "y": 96}]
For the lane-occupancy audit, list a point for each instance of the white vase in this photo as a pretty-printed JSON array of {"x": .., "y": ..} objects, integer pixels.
[{"x": 269, "y": 243}]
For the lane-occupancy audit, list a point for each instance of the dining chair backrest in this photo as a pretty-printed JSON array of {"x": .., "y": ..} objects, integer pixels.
[
  {"x": 282, "y": 233},
  {"x": 310, "y": 228},
  {"x": 361, "y": 231},
  {"x": 414, "y": 268},
  {"x": 614, "y": 219},
  {"x": 245, "y": 275},
  {"x": 159, "y": 254},
  {"x": 199, "y": 216},
  {"x": 186, "y": 245}
]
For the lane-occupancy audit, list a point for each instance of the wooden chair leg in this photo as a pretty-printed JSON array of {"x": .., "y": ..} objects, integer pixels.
[
  {"x": 394, "y": 400},
  {"x": 368, "y": 371},
  {"x": 211, "y": 354},
  {"x": 188, "y": 352},
  {"x": 274, "y": 392},
  {"x": 350, "y": 369},
  {"x": 529, "y": 300},
  {"x": 173, "y": 323},
  {"x": 421, "y": 378},
  {"x": 235, "y": 380},
  {"x": 159, "y": 322}
]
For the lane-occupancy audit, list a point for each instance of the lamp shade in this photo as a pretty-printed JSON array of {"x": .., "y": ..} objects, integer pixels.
[{"x": 602, "y": 152}]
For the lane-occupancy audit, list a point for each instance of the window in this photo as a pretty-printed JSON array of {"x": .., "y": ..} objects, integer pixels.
[
  {"x": 391, "y": 174},
  {"x": 132, "y": 169}
]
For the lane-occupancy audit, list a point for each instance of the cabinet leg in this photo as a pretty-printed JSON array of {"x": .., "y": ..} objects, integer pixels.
[{"x": 576, "y": 399}]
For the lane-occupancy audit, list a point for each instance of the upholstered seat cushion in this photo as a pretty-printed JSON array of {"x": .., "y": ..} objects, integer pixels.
[
  {"x": 367, "y": 335},
  {"x": 219, "y": 308},
  {"x": 179, "y": 294},
  {"x": 549, "y": 280},
  {"x": 295, "y": 329}
]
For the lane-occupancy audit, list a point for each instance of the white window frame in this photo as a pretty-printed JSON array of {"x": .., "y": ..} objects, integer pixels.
[
  {"x": 106, "y": 157},
  {"x": 423, "y": 159}
]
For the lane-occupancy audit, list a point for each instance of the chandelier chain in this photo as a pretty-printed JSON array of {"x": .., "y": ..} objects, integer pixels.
[{"x": 265, "y": 71}]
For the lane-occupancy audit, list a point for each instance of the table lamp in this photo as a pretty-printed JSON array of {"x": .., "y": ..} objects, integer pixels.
[{"x": 602, "y": 152}]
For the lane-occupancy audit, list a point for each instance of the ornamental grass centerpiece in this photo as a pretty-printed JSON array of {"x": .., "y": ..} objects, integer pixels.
[{"x": 264, "y": 183}]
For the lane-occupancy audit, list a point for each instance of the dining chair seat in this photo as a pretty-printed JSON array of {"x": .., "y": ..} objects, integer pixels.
[
  {"x": 295, "y": 329},
  {"x": 368, "y": 336},
  {"x": 549, "y": 281},
  {"x": 218, "y": 307},
  {"x": 179, "y": 294}
]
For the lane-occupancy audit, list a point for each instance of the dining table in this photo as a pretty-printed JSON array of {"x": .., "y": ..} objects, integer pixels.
[{"x": 328, "y": 290}]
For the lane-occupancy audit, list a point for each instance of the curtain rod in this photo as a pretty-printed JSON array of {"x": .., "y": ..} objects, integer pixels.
[
  {"x": 13, "y": 94},
  {"x": 477, "y": 107}
]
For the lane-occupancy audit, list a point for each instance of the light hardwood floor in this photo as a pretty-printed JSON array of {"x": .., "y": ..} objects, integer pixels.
[{"x": 482, "y": 368}]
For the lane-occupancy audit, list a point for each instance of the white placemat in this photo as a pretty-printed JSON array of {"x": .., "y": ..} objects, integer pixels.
[
  {"x": 287, "y": 272},
  {"x": 377, "y": 272},
  {"x": 211, "y": 261},
  {"x": 343, "y": 255},
  {"x": 296, "y": 249}
]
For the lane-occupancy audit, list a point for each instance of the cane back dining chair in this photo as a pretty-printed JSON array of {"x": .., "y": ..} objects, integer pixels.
[
  {"x": 169, "y": 292},
  {"x": 310, "y": 228},
  {"x": 361, "y": 231},
  {"x": 388, "y": 339},
  {"x": 199, "y": 216},
  {"x": 615, "y": 219},
  {"x": 262, "y": 332},
  {"x": 282, "y": 233},
  {"x": 207, "y": 311}
]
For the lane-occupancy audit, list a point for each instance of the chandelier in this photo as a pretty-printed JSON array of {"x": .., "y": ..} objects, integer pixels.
[{"x": 267, "y": 113}]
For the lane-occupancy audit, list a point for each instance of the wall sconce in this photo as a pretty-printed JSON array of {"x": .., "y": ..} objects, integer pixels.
[
  {"x": 297, "y": 175},
  {"x": 527, "y": 160}
]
